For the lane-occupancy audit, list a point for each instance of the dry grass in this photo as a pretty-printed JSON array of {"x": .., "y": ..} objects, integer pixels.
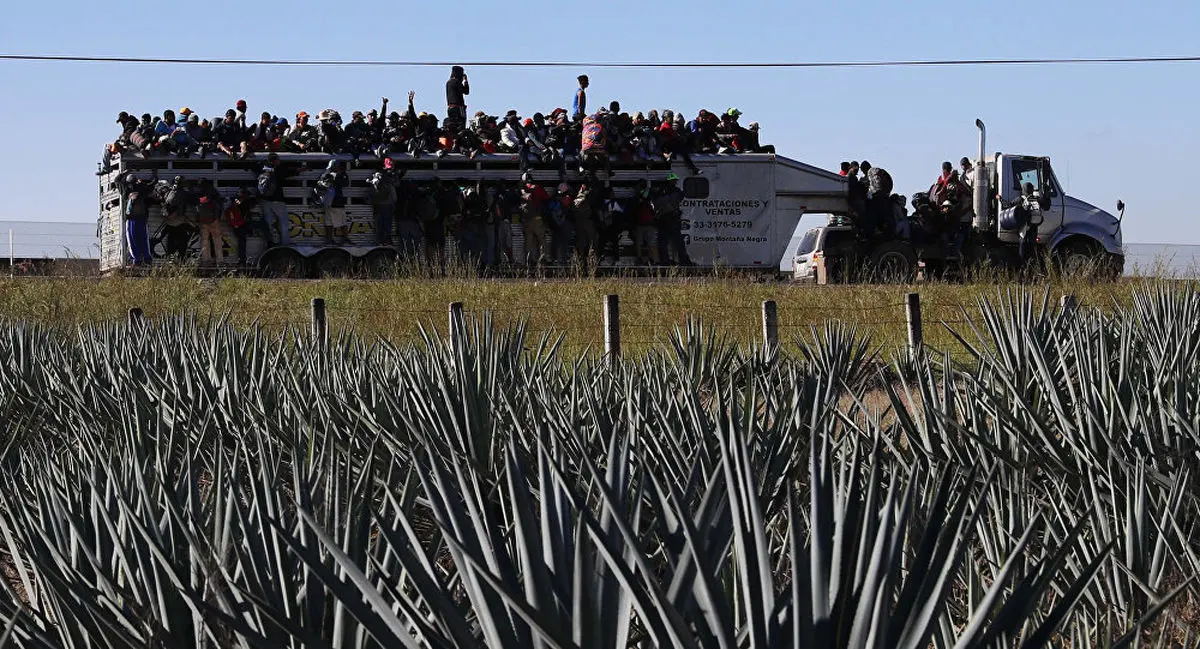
[{"x": 649, "y": 308}]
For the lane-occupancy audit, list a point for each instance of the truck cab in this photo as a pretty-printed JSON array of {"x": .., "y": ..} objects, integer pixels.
[{"x": 1076, "y": 233}]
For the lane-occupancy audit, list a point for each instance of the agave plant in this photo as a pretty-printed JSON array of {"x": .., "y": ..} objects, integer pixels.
[{"x": 180, "y": 484}]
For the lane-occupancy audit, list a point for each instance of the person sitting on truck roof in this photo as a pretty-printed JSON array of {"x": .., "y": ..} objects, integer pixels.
[
  {"x": 753, "y": 144},
  {"x": 359, "y": 135},
  {"x": 704, "y": 132},
  {"x": 262, "y": 134},
  {"x": 730, "y": 135},
  {"x": 231, "y": 137},
  {"x": 303, "y": 137},
  {"x": 677, "y": 140}
]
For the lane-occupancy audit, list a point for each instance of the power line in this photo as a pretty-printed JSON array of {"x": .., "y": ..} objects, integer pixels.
[{"x": 66, "y": 58}]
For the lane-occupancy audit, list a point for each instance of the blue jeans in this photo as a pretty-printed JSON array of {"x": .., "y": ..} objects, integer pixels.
[
  {"x": 276, "y": 215},
  {"x": 139, "y": 241}
]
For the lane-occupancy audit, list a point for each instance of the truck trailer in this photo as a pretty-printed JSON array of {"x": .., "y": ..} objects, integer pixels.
[{"x": 739, "y": 211}]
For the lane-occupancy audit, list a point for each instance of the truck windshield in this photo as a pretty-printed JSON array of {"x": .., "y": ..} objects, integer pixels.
[{"x": 807, "y": 243}]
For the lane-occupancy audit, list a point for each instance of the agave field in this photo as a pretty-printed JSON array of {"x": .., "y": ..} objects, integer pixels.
[{"x": 172, "y": 483}]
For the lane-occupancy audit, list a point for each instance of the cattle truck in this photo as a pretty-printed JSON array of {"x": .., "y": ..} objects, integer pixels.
[
  {"x": 1075, "y": 236},
  {"x": 739, "y": 212}
]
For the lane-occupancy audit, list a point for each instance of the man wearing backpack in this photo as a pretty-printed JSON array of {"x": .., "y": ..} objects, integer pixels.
[
  {"x": 329, "y": 194},
  {"x": 209, "y": 208},
  {"x": 137, "y": 195},
  {"x": 382, "y": 190},
  {"x": 271, "y": 177},
  {"x": 178, "y": 201}
]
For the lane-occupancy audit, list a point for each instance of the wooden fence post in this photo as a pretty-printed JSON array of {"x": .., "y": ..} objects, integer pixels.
[
  {"x": 912, "y": 312},
  {"x": 612, "y": 328},
  {"x": 770, "y": 326},
  {"x": 320, "y": 329}
]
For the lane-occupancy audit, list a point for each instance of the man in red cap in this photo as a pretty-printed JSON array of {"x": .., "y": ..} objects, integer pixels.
[{"x": 241, "y": 113}]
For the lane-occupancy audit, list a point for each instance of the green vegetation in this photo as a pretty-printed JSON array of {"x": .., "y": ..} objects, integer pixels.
[
  {"x": 650, "y": 309},
  {"x": 188, "y": 483}
]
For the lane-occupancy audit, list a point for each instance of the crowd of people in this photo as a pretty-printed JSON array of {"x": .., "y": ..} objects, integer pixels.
[
  {"x": 580, "y": 221},
  {"x": 940, "y": 211},
  {"x": 555, "y": 137},
  {"x": 583, "y": 218}
]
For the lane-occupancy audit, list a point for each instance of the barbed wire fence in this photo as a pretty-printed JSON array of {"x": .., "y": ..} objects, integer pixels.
[{"x": 618, "y": 325}]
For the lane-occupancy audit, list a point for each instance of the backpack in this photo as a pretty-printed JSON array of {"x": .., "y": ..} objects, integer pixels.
[
  {"x": 593, "y": 134},
  {"x": 324, "y": 192},
  {"x": 266, "y": 183},
  {"x": 382, "y": 189},
  {"x": 235, "y": 217},
  {"x": 174, "y": 198}
]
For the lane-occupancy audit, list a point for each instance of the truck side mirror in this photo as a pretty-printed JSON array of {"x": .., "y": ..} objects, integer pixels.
[{"x": 1120, "y": 206}]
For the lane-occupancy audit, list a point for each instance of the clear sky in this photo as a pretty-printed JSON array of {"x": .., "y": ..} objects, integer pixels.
[{"x": 1112, "y": 130}]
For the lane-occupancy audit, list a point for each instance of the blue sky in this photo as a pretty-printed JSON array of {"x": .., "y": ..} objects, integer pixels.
[{"x": 1112, "y": 131}]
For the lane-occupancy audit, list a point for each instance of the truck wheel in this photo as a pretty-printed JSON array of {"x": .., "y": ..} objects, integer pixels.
[
  {"x": 284, "y": 263},
  {"x": 1083, "y": 258},
  {"x": 381, "y": 263},
  {"x": 894, "y": 262},
  {"x": 333, "y": 262}
]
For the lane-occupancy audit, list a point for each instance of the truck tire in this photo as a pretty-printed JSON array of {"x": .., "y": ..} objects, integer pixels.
[
  {"x": 284, "y": 263},
  {"x": 893, "y": 262},
  {"x": 333, "y": 262},
  {"x": 1084, "y": 258}
]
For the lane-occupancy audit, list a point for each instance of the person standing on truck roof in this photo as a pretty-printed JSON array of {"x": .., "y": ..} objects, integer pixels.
[
  {"x": 457, "y": 88},
  {"x": 579, "y": 105}
]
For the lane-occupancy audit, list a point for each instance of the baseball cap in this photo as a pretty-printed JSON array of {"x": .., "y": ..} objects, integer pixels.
[
  {"x": 241, "y": 104},
  {"x": 753, "y": 126},
  {"x": 733, "y": 112},
  {"x": 301, "y": 114},
  {"x": 357, "y": 113},
  {"x": 185, "y": 111}
]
